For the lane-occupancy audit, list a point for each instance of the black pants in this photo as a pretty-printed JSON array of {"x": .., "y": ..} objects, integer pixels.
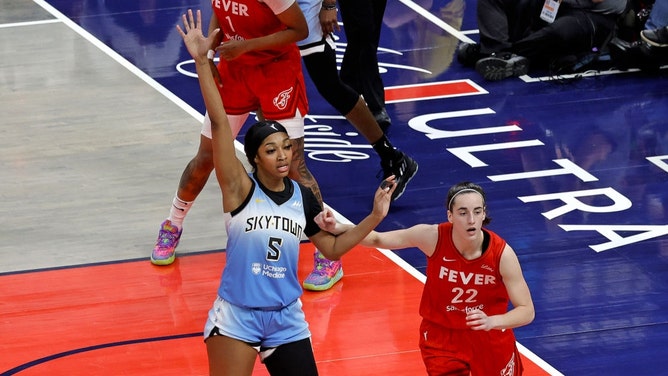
[
  {"x": 362, "y": 22},
  {"x": 321, "y": 67},
  {"x": 515, "y": 26}
]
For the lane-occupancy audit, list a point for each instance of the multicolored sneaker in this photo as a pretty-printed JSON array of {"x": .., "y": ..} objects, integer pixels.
[
  {"x": 324, "y": 275},
  {"x": 165, "y": 247}
]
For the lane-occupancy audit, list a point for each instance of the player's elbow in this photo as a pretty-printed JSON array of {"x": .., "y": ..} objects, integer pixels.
[
  {"x": 302, "y": 33},
  {"x": 371, "y": 240},
  {"x": 529, "y": 315}
]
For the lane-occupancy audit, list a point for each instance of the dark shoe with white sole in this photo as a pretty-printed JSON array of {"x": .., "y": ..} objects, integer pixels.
[{"x": 501, "y": 66}]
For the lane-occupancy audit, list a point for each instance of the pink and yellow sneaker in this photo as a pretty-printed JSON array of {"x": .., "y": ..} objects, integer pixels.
[
  {"x": 164, "y": 252},
  {"x": 324, "y": 275}
]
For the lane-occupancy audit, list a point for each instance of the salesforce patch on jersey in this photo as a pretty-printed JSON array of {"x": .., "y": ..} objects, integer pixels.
[{"x": 268, "y": 270}]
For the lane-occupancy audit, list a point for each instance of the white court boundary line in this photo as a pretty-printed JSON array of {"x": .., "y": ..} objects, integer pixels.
[
  {"x": 464, "y": 38},
  {"x": 190, "y": 110},
  {"x": 121, "y": 60},
  {"x": 27, "y": 23},
  {"x": 437, "y": 21}
]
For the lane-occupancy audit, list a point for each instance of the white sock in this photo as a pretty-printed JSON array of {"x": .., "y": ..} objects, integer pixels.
[{"x": 179, "y": 211}]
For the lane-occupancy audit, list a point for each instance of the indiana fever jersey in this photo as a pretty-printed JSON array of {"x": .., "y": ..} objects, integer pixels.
[
  {"x": 248, "y": 19},
  {"x": 263, "y": 251},
  {"x": 455, "y": 285}
]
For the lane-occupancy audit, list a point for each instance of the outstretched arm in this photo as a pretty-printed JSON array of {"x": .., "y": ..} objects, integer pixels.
[
  {"x": 232, "y": 177},
  {"x": 421, "y": 236},
  {"x": 334, "y": 246}
]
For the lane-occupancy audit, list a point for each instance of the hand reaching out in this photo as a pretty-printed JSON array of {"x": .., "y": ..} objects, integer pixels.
[
  {"x": 381, "y": 205},
  {"x": 326, "y": 221},
  {"x": 383, "y": 198}
]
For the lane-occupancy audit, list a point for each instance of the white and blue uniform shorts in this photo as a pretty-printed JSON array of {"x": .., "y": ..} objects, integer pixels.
[{"x": 258, "y": 327}]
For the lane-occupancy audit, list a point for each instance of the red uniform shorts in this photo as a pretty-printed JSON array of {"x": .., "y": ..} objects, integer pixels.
[
  {"x": 462, "y": 352},
  {"x": 276, "y": 86}
]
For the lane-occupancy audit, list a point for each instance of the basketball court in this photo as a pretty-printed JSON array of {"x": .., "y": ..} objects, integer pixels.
[{"x": 101, "y": 112}]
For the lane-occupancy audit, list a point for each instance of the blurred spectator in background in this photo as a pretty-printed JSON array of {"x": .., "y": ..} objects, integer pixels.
[
  {"x": 517, "y": 34},
  {"x": 643, "y": 39}
]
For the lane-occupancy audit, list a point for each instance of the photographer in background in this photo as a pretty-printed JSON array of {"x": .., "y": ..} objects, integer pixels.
[{"x": 511, "y": 42}]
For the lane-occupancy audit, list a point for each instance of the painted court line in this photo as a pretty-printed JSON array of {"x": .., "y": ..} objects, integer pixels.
[{"x": 402, "y": 94}]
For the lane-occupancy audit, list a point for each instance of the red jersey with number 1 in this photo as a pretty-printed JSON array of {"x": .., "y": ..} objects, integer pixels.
[
  {"x": 455, "y": 285},
  {"x": 249, "y": 19}
]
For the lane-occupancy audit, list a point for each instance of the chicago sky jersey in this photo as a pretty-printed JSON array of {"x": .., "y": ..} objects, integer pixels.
[
  {"x": 455, "y": 285},
  {"x": 263, "y": 251}
]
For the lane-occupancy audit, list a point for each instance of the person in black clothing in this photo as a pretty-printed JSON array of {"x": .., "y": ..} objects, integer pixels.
[
  {"x": 319, "y": 56},
  {"x": 362, "y": 21},
  {"x": 643, "y": 41},
  {"x": 514, "y": 35}
]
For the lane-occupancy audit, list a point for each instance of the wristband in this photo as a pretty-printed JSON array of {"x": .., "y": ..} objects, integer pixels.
[
  {"x": 329, "y": 6},
  {"x": 210, "y": 54}
]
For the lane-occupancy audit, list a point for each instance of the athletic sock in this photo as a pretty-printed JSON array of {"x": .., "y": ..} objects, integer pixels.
[
  {"x": 179, "y": 211},
  {"x": 384, "y": 149}
]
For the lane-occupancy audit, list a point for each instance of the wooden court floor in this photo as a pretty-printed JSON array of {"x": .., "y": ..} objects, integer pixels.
[{"x": 133, "y": 318}]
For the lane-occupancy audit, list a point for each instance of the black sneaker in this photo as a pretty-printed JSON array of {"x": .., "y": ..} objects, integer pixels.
[
  {"x": 625, "y": 54},
  {"x": 468, "y": 54},
  {"x": 403, "y": 168},
  {"x": 656, "y": 38},
  {"x": 497, "y": 67}
]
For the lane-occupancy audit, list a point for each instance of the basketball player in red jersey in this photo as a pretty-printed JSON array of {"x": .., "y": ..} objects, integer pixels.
[
  {"x": 260, "y": 67},
  {"x": 472, "y": 274}
]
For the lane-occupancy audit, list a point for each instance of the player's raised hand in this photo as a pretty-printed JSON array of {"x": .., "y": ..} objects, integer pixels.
[{"x": 197, "y": 44}]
